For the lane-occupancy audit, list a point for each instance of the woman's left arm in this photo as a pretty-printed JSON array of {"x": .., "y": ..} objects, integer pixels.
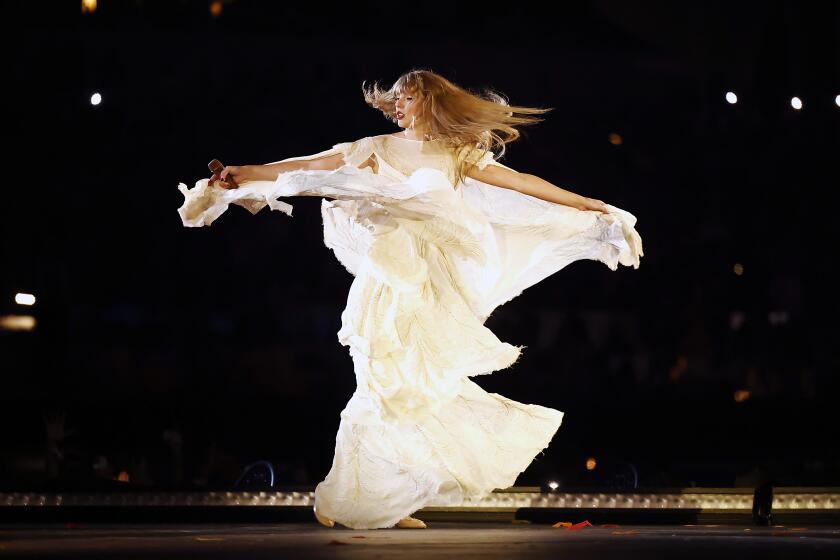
[{"x": 534, "y": 186}]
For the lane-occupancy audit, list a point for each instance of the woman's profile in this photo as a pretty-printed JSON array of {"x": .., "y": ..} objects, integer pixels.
[{"x": 437, "y": 234}]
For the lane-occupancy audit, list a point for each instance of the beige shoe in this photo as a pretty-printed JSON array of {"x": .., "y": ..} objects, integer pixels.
[
  {"x": 411, "y": 523},
  {"x": 325, "y": 521}
]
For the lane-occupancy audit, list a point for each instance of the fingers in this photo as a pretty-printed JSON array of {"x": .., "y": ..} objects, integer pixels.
[
  {"x": 224, "y": 174},
  {"x": 599, "y": 206},
  {"x": 221, "y": 182}
]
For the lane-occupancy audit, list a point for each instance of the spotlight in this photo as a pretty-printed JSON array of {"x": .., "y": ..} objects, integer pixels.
[
  {"x": 796, "y": 103},
  {"x": 24, "y": 299},
  {"x": 95, "y": 99},
  {"x": 731, "y": 98},
  {"x": 17, "y": 323}
]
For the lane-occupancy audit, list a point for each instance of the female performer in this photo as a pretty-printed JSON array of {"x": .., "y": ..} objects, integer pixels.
[{"x": 437, "y": 234}]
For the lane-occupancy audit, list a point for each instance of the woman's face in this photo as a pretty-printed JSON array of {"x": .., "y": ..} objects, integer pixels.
[{"x": 406, "y": 109}]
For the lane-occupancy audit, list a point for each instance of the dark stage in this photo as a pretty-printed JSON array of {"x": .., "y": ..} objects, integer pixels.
[
  {"x": 180, "y": 376},
  {"x": 442, "y": 539}
]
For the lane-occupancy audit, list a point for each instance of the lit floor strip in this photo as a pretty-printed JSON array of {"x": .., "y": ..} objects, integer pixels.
[{"x": 730, "y": 499}]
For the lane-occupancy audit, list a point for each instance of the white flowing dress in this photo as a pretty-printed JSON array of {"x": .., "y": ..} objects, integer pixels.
[{"x": 431, "y": 261}]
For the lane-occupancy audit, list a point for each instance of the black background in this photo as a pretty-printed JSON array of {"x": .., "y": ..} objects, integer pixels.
[{"x": 226, "y": 334}]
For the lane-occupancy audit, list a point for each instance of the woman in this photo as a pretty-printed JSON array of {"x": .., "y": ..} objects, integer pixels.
[{"x": 437, "y": 234}]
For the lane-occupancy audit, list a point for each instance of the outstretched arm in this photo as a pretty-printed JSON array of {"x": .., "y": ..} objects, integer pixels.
[
  {"x": 535, "y": 186},
  {"x": 270, "y": 171}
]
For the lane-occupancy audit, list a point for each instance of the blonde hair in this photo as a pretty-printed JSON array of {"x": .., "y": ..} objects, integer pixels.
[{"x": 466, "y": 122}]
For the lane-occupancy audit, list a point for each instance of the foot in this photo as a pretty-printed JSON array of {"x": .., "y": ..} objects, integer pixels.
[
  {"x": 411, "y": 523},
  {"x": 325, "y": 521}
]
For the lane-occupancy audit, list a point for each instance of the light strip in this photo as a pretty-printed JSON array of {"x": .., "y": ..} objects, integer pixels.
[{"x": 694, "y": 498}]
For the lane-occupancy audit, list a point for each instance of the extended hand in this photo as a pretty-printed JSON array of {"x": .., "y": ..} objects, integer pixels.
[
  {"x": 235, "y": 172},
  {"x": 594, "y": 204}
]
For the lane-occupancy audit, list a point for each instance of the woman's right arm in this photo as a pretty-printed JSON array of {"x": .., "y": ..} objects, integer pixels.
[{"x": 270, "y": 171}]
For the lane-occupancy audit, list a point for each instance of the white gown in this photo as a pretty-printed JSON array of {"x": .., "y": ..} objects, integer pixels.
[{"x": 431, "y": 262}]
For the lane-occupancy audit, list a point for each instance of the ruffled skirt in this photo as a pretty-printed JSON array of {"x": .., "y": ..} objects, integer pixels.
[{"x": 431, "y": 264}]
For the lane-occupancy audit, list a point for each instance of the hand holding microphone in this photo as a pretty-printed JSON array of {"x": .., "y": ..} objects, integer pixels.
[{"x": 228, "y": 176}]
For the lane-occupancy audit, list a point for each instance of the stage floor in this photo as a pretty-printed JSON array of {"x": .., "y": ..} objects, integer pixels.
[{"x": 442, "y": 539}]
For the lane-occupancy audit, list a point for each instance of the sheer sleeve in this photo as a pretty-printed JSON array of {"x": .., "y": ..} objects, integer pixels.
[
  {"x": 204, "y": 202},
  {"x": 487, "y": 159},
  {"x": 477, "y": 156},
  {"x": 535, "y": 238},
  {"x": 356, "y": 153}
]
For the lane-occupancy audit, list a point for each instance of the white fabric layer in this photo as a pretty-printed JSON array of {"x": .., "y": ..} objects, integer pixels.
[{"x": 431, "y": 261}]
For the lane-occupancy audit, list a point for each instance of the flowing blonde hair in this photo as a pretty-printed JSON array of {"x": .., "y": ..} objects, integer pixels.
[{"x": 469, "y": 123}]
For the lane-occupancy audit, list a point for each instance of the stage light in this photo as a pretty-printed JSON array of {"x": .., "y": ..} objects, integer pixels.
[
  {"x": 24, "y": 299},
  {"x": 95, "y": 99},
  {"x": 736, "y": 319},
  {"x": 677, "y": 370},
  {"x": 590, "y": 463},
  {"x": 796, "y": 103},
  {"x": 741, "y": 395},
  {"x": 88, "y": 6},
  {"x": 837, "y": 100},
  {"x": 731, "y": 98},
  {"x": 216, "y": 9},
  {"x": 738, "y": 269},
  {"x": 696, "y": 505},
  {"x": 553, "y": 485},
  {"x": 17, "y": 323},
  {"x": 615, "y": 139}
]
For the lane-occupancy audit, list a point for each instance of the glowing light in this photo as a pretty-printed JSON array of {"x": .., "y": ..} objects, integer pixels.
[
  {"x": 731, "y": 98},
  {"x": 95, "y": 99},
  {"x": 837, "y": 100},
  {"x": 88, "y": 6},
  {"x": 24, "y": 299},
  {"x": 736, "y": 320},
  {"x": 741, "y": 395},
  {"x": 553, "y": 485},
  {"x": 738, "y": 269},
  {"x": 796, "y": 103},
  {"x": 694, "y": 498},
  {"x": 678, "y": 369},
  {"x": 17, "y": 323},
  {"x": 216, "y": 9},
  {"x": 590, "y": 463},
  {"x": 616, "y": 139}
]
